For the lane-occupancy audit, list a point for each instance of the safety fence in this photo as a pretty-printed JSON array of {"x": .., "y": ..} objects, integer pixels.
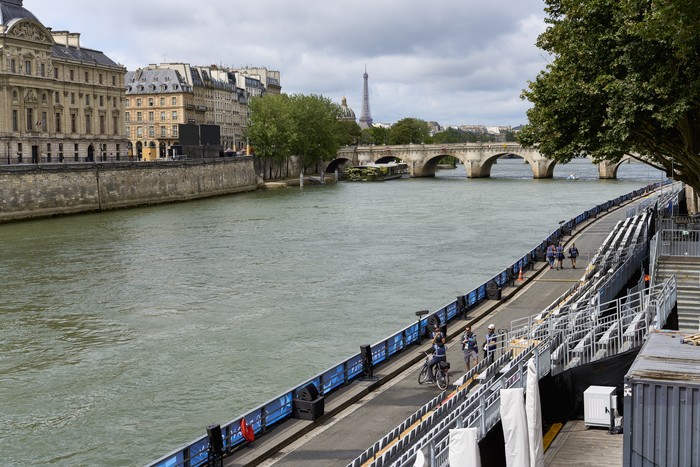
[
  {"x": 576, "y": 329},
  {"x": 281, "y": 408}
]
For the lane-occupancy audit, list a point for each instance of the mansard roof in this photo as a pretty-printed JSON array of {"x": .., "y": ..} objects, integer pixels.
[
  {"x": 95, "y": 57},
  {"x": 13, "y": 9},
  {"x": 155, "y": 81}
]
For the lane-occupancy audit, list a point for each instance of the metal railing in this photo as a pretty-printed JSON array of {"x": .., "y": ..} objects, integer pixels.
[
  {"x": 280, "y": 409},
  {"x": 573, "y": 331}
]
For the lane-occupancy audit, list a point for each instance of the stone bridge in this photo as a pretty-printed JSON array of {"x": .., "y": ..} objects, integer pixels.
[{"x": 423, "y": 159}]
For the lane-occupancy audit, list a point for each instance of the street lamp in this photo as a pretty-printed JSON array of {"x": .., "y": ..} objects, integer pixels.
[{"x": 420, "y": 315}]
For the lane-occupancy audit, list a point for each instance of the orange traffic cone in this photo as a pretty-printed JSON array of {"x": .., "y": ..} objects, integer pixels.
[{"x": 520, "y": 274}]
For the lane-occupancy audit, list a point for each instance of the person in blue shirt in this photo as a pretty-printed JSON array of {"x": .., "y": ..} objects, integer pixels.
[
  {"x": 491, "y": 341},
  {"x": 470, "y": 347},
  {"x": 440, "y": 355}
]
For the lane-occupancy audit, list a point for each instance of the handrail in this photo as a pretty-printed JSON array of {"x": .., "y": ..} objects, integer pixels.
[
  {"x": 578, "y": 338},
  {"x": 280, "y": 409}
]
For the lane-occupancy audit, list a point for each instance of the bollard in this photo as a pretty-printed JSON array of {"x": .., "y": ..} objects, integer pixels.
[{"x": 301, "y": 180}]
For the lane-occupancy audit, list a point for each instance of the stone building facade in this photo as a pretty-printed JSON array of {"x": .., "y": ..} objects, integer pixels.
[
  {"x": 169, "y": 94},
  {"x": 59, "y": 101}
]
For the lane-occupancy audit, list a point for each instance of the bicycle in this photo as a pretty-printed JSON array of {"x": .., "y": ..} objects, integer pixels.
[{"x": 442, "y": 373}]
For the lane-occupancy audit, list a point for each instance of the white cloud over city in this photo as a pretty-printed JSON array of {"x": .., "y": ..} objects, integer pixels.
[{"x": 450, "y": 61}]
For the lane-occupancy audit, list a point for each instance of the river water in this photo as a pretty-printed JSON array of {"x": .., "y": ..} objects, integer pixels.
[{"x": 124, "y": 334}]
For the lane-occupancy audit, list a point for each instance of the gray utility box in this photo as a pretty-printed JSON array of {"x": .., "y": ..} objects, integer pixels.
[{"x": 599, "y": 405}]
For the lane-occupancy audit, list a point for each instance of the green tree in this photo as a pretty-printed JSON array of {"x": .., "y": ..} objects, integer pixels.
[
  {"x": 452, "y": 136},
  {"x": 270, "y": 129},
  {"x": 350, "y": 133},
  {"x": 409, "y": 130},
  {"x": 625, "y": 79},
  {"x": 375, "y": 135},
  {"x": 317, "y": 131}
]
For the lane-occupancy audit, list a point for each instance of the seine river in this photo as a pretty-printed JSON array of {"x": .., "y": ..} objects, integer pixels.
[{"x": 124, "y": 334}]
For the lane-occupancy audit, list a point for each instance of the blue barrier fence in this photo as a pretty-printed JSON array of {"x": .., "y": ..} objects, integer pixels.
[{"x": 280, "y": 409}]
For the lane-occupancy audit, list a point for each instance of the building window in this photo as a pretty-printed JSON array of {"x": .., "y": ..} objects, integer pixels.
[
  {"x": 55, "y": 72},
  {"x": 139, "y": 132},
  {"x": 13, "y": 65},
  {"x": 114, "y": 80},
  {"x": 48, "y": 152},
  {"x": 71, "y": 75},
  {"x": 44, "y": 122},
  {"x": 75, "y": 148},
  {"x": 162, "y": 101},
  {"x": 138, "y": 102},
  {"x": 103, "y": 128},
  {"x": 72, "y": 98},
  {"x": 27, "y": 67},
  {"x": 162, "y": 116},
  {"x": 43, "y": 69},
  {"x": 30, "y": 119},
  {"x": 174, "y": 115},
  {"x": 128, "y": 131},
  {"x": 58, "y": 122},
  {"x": 174, "y": 130},
  {"x": 15, "y": 120},
  {"x": 88, "y": 124},
  {"x": 87, "y": 99},
  {"x": 102, "y": 101},
  {"x": 139, "y": 117},
  {"x": 87, "y": 77},
  {"x": 151, "y": 116},
  {"x": 127, "y": 116},
  {"x": 73, "y": 123},
  {"x": 128, "y": 102},
  {"x": 115, "y": 125},
  {"x": 60, "y": 152},
  {"x": 100, "y": 78},
  {"x": 150, "y": 102},
  {"x": 174, "y": 100},
  {"x": 57, "y": 97},
  {"x": 162, "y": 132},
  {"x": 151, "y": 132}
]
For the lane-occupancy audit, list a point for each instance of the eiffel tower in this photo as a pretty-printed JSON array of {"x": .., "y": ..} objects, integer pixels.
[{"x": 365, "y": 117}]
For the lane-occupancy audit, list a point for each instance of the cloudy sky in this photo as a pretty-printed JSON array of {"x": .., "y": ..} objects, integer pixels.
[{"x": 451, "y": 61}]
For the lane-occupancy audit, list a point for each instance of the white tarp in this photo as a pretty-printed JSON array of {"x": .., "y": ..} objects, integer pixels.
[
  {"x": 534, "y": 416},
  {"x": 515, "y": 428},
  {"x": 420, "y": 459},
  {"x": 464, "y": 447}
]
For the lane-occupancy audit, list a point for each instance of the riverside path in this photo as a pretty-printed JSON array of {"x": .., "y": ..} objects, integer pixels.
[{"x": 360, "y": 414}]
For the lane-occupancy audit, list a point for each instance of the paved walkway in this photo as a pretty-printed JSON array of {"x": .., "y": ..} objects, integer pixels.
[
  {"x": 590, "y": 447},
  {"x": 362, "y": 413}
]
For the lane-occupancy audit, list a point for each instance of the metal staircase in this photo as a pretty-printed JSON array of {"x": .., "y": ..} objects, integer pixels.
[{"x": 687, "y": 272}]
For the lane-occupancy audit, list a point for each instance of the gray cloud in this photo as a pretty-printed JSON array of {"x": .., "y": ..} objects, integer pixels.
[{"x": 450, "y": 61}]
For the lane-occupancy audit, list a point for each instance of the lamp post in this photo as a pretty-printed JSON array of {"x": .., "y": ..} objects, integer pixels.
[{"x": 420, "y": 315}]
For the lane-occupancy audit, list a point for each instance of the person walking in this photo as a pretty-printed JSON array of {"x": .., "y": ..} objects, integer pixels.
[
  {"x": 560, "y": 256},
  {"x": 491, "y": 341},
  {"x": 470, "y": 347},
  {"x": 573, "y": 254},
  {"x": 550, "y": 255}
]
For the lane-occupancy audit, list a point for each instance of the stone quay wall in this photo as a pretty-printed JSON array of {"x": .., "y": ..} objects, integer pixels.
[{"x": 34, "y": 191}]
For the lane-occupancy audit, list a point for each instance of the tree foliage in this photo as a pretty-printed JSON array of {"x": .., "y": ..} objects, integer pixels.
[
  {"x": 625, "y": 79},
  {"x": 409, "y": 130},
  {"x": 454, "y": 136},
  {"x": 301, "y": 125}
]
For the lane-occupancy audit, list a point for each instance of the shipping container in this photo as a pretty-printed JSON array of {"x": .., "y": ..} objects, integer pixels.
[{"x": 662, "y": 403}]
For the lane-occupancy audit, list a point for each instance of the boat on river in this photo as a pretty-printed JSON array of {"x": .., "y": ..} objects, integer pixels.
[{"x": 376, "y": 172}]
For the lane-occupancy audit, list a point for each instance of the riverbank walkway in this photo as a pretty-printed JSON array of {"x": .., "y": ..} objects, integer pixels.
[{"x": 360, "y": 414}]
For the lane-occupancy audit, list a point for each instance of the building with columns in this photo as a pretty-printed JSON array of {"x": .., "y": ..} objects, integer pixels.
[{"x": 59, "y": 101}]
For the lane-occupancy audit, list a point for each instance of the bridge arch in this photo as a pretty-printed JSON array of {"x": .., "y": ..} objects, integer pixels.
[{"x": 338, "y": 164}]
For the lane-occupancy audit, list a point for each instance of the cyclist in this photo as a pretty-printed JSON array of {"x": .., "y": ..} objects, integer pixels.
[{"x": 440, "y": 355}]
